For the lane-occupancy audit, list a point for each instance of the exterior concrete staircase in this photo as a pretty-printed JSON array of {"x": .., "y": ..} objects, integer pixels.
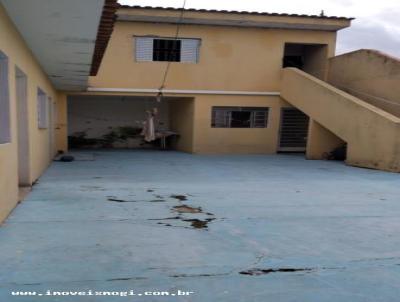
[{"x": 372, "y": 134}]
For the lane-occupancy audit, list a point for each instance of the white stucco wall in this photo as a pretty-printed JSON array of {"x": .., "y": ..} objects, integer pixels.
[{"x": 98, "y": 115}]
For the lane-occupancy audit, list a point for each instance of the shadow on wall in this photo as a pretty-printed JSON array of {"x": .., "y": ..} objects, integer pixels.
[{"x": 121, "y": 137}]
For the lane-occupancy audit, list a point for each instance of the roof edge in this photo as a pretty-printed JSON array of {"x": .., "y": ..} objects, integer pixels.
[
  {"x": 373, "y": 51},
  {"x": 105, "y": 29},
  {"x": 235, "y": 12}
]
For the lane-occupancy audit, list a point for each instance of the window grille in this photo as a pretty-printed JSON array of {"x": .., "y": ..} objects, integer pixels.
[{"x": 239, "y": 117}]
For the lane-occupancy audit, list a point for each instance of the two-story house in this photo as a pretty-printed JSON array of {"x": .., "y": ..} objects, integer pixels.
[
  {"x": 220, "y": 72},
  {"x": 86, "y": 73}
]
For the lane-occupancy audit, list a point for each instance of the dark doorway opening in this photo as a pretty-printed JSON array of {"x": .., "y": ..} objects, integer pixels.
[{"x": 311, "y": 58}]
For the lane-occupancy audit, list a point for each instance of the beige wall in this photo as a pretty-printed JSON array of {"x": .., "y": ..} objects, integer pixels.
[
  {"x": 231, "y": 58},
  {"x": 316, "y": 62},
  {"x": 370, "y": 75},
  {"x": 372, "y": 135},
  {"x": 12, "y": 45},
  {"x": 235, "y": 140}
]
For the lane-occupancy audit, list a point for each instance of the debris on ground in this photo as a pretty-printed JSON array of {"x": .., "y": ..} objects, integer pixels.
[
  {"x": 338, "y": 153},
  {"x": 179, "y": 197},
  {"x": 199, "y": 224},
  {"x": 187, "y": 209},
  {"x": 119, "y": 200},
  {"x": 67, "y": 158}
]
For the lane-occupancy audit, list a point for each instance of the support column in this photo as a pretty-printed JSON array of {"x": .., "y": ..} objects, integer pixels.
[{"x": 320, "y": 141}]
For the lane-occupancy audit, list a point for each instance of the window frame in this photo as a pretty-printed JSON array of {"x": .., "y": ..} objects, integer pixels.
[
  {"x": 224, "y": 120},
  {"x": 42, "y": 110},
  {"x": 189, "y": 49},
  {"x": 166, "y": 52},
  {"x": 5, "y": 102}
]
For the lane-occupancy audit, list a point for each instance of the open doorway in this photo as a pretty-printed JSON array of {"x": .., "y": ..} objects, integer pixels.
[
  {"x": 117, "y": 122},
  {"x": 23, "y": 128},
  {"x": 311, "y": 58}
]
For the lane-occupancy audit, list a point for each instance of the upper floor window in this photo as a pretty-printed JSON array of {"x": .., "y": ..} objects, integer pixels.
[
  {"x": 167, "y": 50},
  {"x": 157, "y": 49},
  {"x": 239, "y": 117}
]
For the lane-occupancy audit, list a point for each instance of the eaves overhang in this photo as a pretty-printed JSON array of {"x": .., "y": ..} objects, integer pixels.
[
  {"x": 232, "y": 18},
  {"x": 68, "y": 38}
]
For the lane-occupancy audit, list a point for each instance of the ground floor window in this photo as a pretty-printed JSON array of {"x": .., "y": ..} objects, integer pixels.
[
  {"x": 5, "y": 130},
  {"x": 239, "y": 117},
  {"x": 42, "y": 113}
]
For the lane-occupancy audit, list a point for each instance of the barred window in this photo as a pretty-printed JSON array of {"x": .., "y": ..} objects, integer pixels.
[
  {"x": 239, "y": 117},
  {"x": 167, "y": 50},
  {"x": 157, "y": 49}
]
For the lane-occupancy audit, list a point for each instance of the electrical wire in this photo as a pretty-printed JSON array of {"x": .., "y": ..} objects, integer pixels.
[{"x": 182, "y": 11}]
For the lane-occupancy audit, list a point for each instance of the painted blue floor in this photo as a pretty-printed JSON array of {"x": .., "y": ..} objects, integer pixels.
[{"x": 253, "y": 228}]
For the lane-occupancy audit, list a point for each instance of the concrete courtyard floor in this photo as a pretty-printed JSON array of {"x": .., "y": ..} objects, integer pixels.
[{"x": 228, "y": 228}]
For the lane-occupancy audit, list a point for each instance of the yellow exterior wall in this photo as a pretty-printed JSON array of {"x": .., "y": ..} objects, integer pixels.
[
  {"x": 236, "y": 140},
  {"x": 231, "y": 58},
  {"x": 12, "y": 45},
  {"x": 369, "y": 75}
]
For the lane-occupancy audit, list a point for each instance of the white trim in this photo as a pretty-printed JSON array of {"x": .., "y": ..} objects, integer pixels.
[{"x": 179, "y": 91}]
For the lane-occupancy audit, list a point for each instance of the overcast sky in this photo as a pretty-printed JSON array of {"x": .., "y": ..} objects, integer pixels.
[{"x": 377, "y": 23}]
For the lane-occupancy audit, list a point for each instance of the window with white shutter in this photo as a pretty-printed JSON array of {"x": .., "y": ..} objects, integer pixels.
[
  {"x": 144, "y": 49},
  {"x": 190, "y": 50},
  {"x": 160, "y": 49}
]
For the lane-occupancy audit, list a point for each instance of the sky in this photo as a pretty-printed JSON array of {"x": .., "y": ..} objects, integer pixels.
[{"x": 377, "y": 23}]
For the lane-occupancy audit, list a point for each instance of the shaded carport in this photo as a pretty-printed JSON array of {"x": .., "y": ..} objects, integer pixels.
[{"x": 116, "y": 121}]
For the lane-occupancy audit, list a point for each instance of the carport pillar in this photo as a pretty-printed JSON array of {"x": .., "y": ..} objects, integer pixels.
[{"x": 320, "y": 141}]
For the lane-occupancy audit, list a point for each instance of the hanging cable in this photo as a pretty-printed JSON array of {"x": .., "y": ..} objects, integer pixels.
[{"x": 182, "y": 11}]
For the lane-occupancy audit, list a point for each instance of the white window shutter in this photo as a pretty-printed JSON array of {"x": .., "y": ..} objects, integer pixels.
[
  {"x": 144, "y": 49},
  {"x": 190, "y": 50}
]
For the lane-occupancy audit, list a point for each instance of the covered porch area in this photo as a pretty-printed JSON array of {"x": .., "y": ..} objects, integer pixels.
[{"x": 117, "y": 122}]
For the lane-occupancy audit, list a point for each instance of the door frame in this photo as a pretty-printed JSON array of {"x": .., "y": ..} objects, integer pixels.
[
  {"x": 21, "y": 92},
  {"x": 288, "y": 149}
]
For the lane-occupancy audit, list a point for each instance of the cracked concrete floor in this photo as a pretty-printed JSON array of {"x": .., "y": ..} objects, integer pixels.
[{"x": 229, "y": 228}]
